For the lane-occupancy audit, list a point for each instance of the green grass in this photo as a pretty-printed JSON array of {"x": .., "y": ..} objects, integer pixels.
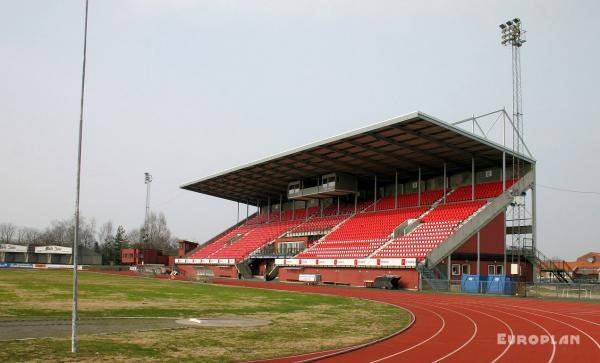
[{"x": 301, "y": 322}]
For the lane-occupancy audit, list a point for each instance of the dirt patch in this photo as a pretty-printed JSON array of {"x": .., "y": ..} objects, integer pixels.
[
  {"x": 33, "y": 328},
  {"x": 223, "y": 322}
]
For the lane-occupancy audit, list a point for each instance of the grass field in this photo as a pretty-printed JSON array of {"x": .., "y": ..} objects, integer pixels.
[{"x": 300, "y": 322}]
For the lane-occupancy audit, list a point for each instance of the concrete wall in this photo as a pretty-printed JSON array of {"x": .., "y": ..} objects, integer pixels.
[
  {"x": 409, "y": 278},
  {"x": 218, "y": 271}
]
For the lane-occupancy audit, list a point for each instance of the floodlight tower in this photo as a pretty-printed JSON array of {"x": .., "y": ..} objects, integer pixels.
[
  {"x": 147, "y": 181},
  {"x": 513, "y": 34}
]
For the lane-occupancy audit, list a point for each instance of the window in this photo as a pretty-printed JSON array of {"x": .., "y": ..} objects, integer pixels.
[
  {"x": 455, "y": 269},
  {"x": 415, "y": 185},
  {"x": 466, "y": 269},
  {"x": 491, "y": 270},
  {"x": 499, "y": 270}
]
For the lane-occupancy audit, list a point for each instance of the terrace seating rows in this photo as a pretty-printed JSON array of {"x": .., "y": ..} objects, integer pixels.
[
  {"x": 373, "y": 225},
  {"x": 437, "y": 226},
  {"x": 453, "y": 211},
  {"x": 320, "y": 224},
  {"x": 361, "y": 234},
  {"x": 409, "y": 200},
  {"x": 257, "y": 237},
  {"x": 482, "y": 191},
  {"x": 240, "y": 242},
  {"x": 213, "y": 247},
  {"x": 288, "y": 215}
]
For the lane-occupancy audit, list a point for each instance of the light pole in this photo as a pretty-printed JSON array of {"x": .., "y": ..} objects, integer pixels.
[
  {"x": 147, "y": 181},
  {"x": 78, "y": 189},
  {"x": 513, "y": 34}
]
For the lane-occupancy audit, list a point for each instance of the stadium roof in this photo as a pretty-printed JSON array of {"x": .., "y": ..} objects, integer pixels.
[{"x": 405, "y": 143}]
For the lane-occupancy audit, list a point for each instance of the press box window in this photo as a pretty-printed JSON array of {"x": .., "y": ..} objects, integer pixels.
[
  {"x": 455, "y": 269},
  {"x": 466, "y": 269},
  {"x": 499, "y": 270}
]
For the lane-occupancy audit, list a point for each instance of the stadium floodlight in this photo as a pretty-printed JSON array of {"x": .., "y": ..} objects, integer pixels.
[
  {"x": 78, "y": 188},
  {"x": 147, "y": 181},
  {"x": 512, "y": 33}
]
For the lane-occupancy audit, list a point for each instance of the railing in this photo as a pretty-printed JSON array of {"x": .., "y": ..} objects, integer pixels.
[
  {"x": 542, "y": 290},
  {"x": 269, "y": 251},
  {"x": 478, "y": 220},
  {"x": 560, "y": 269}
]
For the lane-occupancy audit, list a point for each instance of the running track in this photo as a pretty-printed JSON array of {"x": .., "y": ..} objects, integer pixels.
[{"x": 458, "y": 328}]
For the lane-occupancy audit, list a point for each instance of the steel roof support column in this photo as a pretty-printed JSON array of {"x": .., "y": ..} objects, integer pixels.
[
  {"x": 280, "y": 206},
  {"x": 445, "y": 183},
  {"x": 504, "y": 171},
  {"x": 293, "y": 209},
  {"x": 449, "y": 272},
  {"x": 306, "y": 210},
  {"x": 238, "y": 212},
  {"x": 396, "y": 195},
  {"x": 419, "y": 186},
  {"x": 321, "y": 206},
  {"x": 504, "y": 236},
  {"x": 247, "y": 210},
  {"x": 478, "y": 252},
  {"x": 472, "y": 178},
  {"x": 534, "y": 220},
  {"x": 375, "y": 193},
  {"x": 258, "y": 208},
  {"x": 268, "y": 209},
  {"x": 338, "y": 211},
  {"x": 355, "y": 202}
]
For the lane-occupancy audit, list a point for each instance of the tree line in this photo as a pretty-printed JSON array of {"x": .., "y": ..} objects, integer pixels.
[{"x": 106, "y": 240}]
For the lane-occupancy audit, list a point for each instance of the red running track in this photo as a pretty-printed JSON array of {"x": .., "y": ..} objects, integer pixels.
[{"x": 462, "y": 328}]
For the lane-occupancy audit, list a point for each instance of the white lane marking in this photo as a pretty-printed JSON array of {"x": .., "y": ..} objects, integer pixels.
[
  {"x": 466, "y": 343},
  {"x": 422, "y": 342}
]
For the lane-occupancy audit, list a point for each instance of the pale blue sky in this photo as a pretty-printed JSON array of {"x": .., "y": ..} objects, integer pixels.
[{"x": 184, "y": 89}]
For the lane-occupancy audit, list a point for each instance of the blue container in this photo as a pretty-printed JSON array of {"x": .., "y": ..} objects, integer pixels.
[
  {"x": 499, "y": 285},
  {"x": 473, "y": 283}
]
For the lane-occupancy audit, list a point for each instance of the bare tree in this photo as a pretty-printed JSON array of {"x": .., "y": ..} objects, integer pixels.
[
  {"x": 106, "y": 233},
  {"x": 158, "y": 236},
  {"x": 32, "y": 236},
  {"x": 7, "y": 232},
  {"x": 62, "y": 232}
]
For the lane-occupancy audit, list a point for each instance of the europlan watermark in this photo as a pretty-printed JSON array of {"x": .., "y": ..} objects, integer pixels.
[{"x": 522, "y": 339}]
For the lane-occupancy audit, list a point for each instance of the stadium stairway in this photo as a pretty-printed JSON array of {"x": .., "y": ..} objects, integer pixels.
[
  {"x": 244, "y": 270},
  {"x": 476, "y": 222},
  {"x": 435, "y": 279},
  {"x": 562, "y": 271}
]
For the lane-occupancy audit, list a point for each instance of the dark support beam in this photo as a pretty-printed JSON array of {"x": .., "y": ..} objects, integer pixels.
[
  {"x": 440, "y": 142},
  {"x": 337, "y": 162},
  {"x": 413, "y": 149}
]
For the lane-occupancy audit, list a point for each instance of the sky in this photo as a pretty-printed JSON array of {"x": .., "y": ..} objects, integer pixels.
[{"x": 184, "y": 89}]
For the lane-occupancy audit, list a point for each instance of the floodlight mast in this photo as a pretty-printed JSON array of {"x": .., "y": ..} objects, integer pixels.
[
  {"x": 513, "y": 34},
  {"x": 74, "y": 315},
  {"x": 147, "y": 181}
]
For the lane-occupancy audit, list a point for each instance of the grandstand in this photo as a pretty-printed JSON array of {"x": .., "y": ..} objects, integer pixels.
[{"x": 412, "y": 196}]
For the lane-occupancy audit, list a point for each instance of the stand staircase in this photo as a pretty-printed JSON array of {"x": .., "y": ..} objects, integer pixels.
[{"x": 478, "y": 220}]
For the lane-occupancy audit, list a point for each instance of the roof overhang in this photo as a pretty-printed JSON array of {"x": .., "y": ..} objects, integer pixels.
[{"x": 404, "y": 144}]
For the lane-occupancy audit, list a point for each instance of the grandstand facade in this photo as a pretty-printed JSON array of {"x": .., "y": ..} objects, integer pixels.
[{"x": 412, "y": 196}]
